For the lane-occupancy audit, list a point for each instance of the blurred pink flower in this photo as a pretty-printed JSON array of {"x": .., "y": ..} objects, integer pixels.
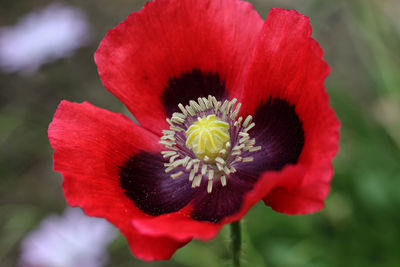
[
  {"x": 42, "y": 36},
  {"x": 72, "y": 239}
]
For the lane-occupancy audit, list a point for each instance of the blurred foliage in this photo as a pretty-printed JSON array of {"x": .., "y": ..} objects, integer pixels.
[{"x": 360, "y": 223}]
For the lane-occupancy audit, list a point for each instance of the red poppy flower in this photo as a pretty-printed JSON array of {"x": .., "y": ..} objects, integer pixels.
[{"x": 198, "y": 160}]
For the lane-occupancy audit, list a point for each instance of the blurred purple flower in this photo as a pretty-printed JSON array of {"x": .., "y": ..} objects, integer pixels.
[
  {"x": 72, "y": 239},
  {"x": 42, "y": 36}
]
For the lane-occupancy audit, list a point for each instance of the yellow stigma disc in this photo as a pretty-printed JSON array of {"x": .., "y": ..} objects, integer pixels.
[{"x": 207, "y": 137}]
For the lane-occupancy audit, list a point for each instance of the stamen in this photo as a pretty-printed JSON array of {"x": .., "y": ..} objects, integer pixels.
[
  {"x": 210, "y": 174},
  {"x": 176, "y": 128},
  {"x": 236, "y": 153},
  {"x": 190, "y": 110},
  {"x": 182, "y": 108},
  {"x": 195, "y": 106},
  {"x": 247, "y": 121},
  {"x": 226, "y": 170},
  {"x": 166, "y": 137},
  {"x": 223, "y": 180},
  {"x": 196, "y": 167},
  {"x": 231, "y": 104},
  {"x": 204, "y": 169},
  {"x": 178, "y": 120},
  {"x": 191, "y": 176},
  {"x": 248, "y": 159},
  {"x": 179, "y": 115},
  {"x": 249, "y": 127},
  {"x": 236, "y": 112},
  {"x": 228, "y": 145},
  {"x": 207, "y": 103},
  {"x": 176, "y": 175},
  {"x": 238, "y": 122},
  {"x": 201, "y": 103},
  {"x": 196, "y": 181},
  {"x": 170, "y": 168},
  {"x": 217, "y": 106},
  {"x": 168, "y": 132},
  {"x": 209, "y": 186},
  {"x": 220, "y": 166},
  {"x": 167, "y": 154},
  {"x": 237, "y": 159},
  {"x": 220, "y": 160},
  {"x": 166, "y": 142},
  {"x": 199, "y": 141},
  {"x": 254, "y": 149},
  {"x": 173, "y": 158},
  {"x": 224, "y": 105}
]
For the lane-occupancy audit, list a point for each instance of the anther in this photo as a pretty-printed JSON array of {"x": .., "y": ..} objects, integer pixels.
[
  {"x": 168, "y": 137},
  {"x": 178, "y": 120},
  {"x": 176, "y": 175},
  {"x": 238, "y": 147},
  {"x": 176, "y": 128},
  {"x": 196, "y": 181},
  {"x": 236, "y": 112},
  {"x": 248, "y": 159},
  {"x": 254, "y": 149},
  {"x": 224, "y": 106},
  {"x": 168, "y": 132},
  {"x": 171, "y": 159},
  {"x": 210, "y": 174},
  {"x": 204, "y": 169},
  {"x": 218, "y": 104},
  {"x": 209, "y": 186},
  {"x": 207, "y": 103},
  {"x": 213, "y": 100},
  {"x": 231, "y": 104},
  {"x": 196, "y": 167},
  {"x": 247, "y": 121},
  {"x": 191, "y": 175},
  {"x": 201, "y": 103},
  {"x": 237, "y": 159},
  {"x": 249, "y": 127},
  {"x": 179, "y": 115},
  {"x": 190, "y": 110},
  {"x": 195, "y": 106},
  {"x": 238, "y": 122},
  {"x": 220, "y": 160},
  {"x": 223, "y": 180},
  {"x": 236, "y": 153},
  {"x": 182, "y": 108},
  {"x": 166, "y": 142},
  {"x": 228, "y": 145},
  {"x": 170, "y": 168},
  {"x": 167, "y": 154},
  {"x": 226, "y": 170},
  {"x": 220, "y": 167}
]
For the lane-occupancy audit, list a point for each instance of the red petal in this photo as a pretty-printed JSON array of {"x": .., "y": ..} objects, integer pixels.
[
  {"x": 179, "y": 226},
  {"x": 169, "y": 37},
  {"x": 90, "y": 144},
  {"x": 287, "y": 64},
  {"x": 150, "y": 248}
]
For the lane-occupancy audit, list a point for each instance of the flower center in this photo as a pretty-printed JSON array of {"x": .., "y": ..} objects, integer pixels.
[
  {"x": 207, "y": 137},
  {"x": 206, "y": 142}
]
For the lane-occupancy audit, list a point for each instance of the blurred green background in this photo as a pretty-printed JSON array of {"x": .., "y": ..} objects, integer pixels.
[{"x": 360, "y": 225}]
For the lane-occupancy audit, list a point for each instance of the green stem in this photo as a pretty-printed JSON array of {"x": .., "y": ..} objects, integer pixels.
[{"x": 236, "y": 243}]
